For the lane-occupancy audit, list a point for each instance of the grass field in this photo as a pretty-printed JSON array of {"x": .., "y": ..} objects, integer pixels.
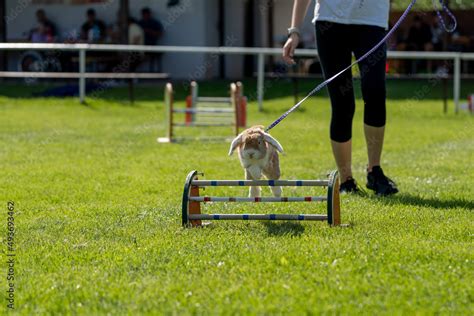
[{"x": 97, "y": 213}]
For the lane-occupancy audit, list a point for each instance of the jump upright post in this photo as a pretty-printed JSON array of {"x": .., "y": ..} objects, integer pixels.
[
  {"x": 191, "y": 206},
  {"x": 205, "y": 112}
]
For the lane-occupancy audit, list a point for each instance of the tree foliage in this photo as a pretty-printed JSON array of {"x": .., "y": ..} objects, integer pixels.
[{"x": 428, "y": 4}]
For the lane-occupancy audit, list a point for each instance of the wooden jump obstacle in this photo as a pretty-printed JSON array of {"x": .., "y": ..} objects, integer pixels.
[
  {"x": 206, "y": 112},
  {"x": 191, "y": 207}
]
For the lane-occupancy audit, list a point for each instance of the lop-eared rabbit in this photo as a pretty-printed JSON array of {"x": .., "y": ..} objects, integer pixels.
[{"x": 258, "y": 154}]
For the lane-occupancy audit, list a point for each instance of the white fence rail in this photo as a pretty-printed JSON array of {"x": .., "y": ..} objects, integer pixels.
[{"x": 260, "y": 52}]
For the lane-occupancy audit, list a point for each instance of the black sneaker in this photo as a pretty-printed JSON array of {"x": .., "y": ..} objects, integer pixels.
[
  {"x": 349, "y": 186},
  {"x": 381, "y": 184}
]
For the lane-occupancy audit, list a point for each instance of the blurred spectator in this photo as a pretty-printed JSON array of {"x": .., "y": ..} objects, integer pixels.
[
  {"x": 395, "y": 42},
  {"x": 419, "y": 36},
  {"x": 460, "y": 42},
  {"x": 419, "y": 39},
  {"x": 153, "y": 32},
  {"x": 153, "y": 28},
  {"x": 127, "y": 62},
  {"x": 93, "y": 30},
  {"x": 113, "y": 32},
  {"x": 39, "y": 35},
  {"x": 136, "y": 35},
  {"x": 45, "y": 32},
  {"x": 437, "y": 33}
]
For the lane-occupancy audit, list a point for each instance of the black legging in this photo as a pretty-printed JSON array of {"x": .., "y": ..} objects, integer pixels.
[{"x": 336, "y": 43}]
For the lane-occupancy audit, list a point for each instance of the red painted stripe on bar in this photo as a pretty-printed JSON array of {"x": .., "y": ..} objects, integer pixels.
[
  {"x": 257, "y": 199},
  {"x": 207, "y": 199},
  {"x": 307, "y": 199},
  {"x": 284, "y": 199}
]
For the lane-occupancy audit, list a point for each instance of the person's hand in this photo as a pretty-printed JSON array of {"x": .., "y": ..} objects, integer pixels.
[{"x": 289, "y": 48}]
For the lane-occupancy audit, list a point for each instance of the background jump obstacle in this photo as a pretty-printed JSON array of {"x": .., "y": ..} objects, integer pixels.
[
  {"x": 191, "y": 208},
  {"x": 206, "y": 111}
]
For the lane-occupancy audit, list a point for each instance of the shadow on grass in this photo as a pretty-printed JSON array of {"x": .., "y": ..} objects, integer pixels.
[
  {"x": 415, "y": 200},
  {"x": 284, "y": 228}
]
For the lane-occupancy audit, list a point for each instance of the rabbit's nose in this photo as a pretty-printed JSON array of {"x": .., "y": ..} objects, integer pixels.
[{"x": 251, "y": 155}]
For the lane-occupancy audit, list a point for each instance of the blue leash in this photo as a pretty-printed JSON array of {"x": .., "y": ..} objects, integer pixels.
[{"x": 390, "y": 33}]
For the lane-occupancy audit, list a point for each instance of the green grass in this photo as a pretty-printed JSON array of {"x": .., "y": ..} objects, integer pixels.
[{"x": 98, "y": 213}]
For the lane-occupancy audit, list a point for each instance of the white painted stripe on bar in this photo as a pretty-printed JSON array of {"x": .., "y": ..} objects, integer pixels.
[
  {"x": 214, "y": 105},
  {"x": 285, "y": 217},
  {"x": 257, "y": 199},
  {"x": 208, "y": 110},
  {"x": 237, "y": 183},
  {"x": 227, "y": 115},
  {"x": 204, "y": 124},
  {"x": 214, "y": 99}
]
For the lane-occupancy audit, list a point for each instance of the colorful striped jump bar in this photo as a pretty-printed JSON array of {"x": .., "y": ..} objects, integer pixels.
[
  {"x": 257, "y": 199},
  {"x": 271, "y": 183},
  {"x": 265, "y": 217},
  {"x": 193, "y": 200}
]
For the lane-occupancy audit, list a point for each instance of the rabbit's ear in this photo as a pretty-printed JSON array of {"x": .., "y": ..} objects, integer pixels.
[
  {"x": 272, "y": 141},
  {"x": 236, "y": 142}
]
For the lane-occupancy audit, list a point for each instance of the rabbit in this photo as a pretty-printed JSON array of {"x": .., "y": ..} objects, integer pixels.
[{"x": 258, "y": 154}]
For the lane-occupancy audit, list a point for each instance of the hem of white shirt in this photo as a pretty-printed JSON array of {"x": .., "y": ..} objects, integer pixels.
[{"x": 350, "y": 21}]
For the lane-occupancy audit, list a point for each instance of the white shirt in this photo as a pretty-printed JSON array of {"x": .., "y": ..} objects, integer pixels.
[
  {"x": 366, "y": 12},
  {"x": 136, "y": 35}
]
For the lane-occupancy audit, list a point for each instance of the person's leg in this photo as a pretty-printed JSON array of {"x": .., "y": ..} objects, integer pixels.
[
  {"x": 372, "y": 72},
  {"x": 334, "y": 49},
  {"x": 374, "y": 137},
  {"x": 343, "y": 155}
]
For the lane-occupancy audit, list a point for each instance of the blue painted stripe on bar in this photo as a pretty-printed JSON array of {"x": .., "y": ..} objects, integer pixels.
[
  {"x": 241, "y": 183},
  {"x": 271, "y": 183},
  {"x": 215, "y": 216},
  {"x": 299, "y": 183},
  {"x": 301, "y": 217},
  {"x": 213, "y": 183},
  {"x": 272, "y": 216},
  {"x": 245, "y": 217}
]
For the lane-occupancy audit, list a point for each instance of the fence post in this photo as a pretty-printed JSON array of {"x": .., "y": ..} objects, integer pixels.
[
  {"x": 82, "y": 78},
  {"x": 260, "y": 80},
  {"x": 457, "y": 82}
]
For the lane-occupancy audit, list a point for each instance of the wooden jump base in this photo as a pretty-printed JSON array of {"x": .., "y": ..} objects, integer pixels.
[
  {"x": 191, "y": 207},
  {"x": 206, "y": 112}
]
